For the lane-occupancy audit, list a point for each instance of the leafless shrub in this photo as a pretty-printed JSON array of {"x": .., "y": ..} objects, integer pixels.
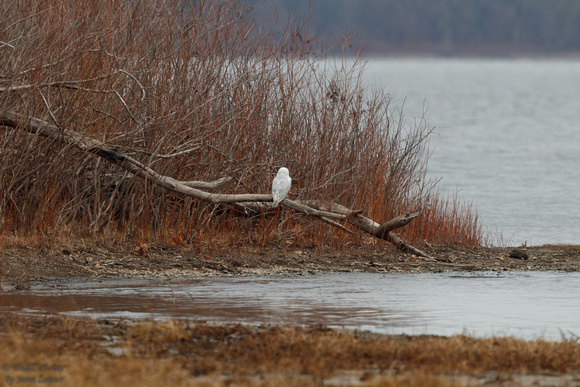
[{"x": 196, "y": 90}]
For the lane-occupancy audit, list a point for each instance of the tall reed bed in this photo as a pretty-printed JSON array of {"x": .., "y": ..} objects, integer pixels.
[{"x": 198, "y": 90}]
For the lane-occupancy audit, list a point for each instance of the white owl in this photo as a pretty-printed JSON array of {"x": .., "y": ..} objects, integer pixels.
[{"x": 281, "y": 185}]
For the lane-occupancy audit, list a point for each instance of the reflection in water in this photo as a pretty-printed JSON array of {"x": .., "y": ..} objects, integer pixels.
[{"x": 524, "y": 304}]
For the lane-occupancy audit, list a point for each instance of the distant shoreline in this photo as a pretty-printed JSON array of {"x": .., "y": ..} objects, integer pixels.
[{"x": 379, "y": 49}]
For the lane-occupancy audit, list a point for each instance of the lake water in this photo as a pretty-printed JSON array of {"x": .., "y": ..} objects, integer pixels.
[
  {"x": 507, "y": 138},
  {"x": 527, "y": 305}
]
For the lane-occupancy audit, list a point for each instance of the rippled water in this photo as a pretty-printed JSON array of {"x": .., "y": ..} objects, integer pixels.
[
  {"x": 508, "y": 137},
  {"x": 523, "y": 304}
]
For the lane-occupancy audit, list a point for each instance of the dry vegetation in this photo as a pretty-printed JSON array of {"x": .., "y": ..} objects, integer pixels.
[
  {"x": 198, "y": 90},
  {"x": 181, "y": 353}
]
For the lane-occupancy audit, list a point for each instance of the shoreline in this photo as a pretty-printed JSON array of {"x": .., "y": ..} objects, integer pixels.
[{"x": 22, "y": 267}]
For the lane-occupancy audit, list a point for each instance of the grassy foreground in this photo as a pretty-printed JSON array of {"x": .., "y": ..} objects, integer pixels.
[{"x": 98, "y": 353}]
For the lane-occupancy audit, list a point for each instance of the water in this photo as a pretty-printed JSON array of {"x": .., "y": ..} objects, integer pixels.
[
  {"x": 522, "y": 304},
  {"x": 507, "y": 137}
]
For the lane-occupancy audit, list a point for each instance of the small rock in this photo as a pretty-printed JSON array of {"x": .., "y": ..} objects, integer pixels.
[
  {"x": 142, "y": 249},
  {"x": 177, "y": 240},
  {"x": 519, "y": 254}
]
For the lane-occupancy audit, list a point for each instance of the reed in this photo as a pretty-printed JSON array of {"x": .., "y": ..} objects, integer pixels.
[{"x": 199, "y": 90}]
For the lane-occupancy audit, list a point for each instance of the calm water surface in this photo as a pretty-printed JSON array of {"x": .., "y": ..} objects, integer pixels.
[
  {"x": 523, "y": 304},
  {"x": 507, "y": 137}
]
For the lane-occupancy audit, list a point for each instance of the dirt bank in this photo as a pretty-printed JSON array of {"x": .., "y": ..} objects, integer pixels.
[{"x": 22, "y": 266}]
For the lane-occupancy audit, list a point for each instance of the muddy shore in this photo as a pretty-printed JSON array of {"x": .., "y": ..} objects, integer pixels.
[{"x": 21, "y": 267}]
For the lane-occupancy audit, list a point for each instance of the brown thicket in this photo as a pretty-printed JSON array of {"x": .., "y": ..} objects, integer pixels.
[{"x": 198, "y": 91}]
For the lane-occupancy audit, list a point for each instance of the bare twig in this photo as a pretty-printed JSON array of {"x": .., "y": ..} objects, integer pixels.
[
  {"x": 177, "y": 154},
  {"x": 3, "y": 44},
  {"x": 48, "y": 107},
  {"x": 136, "y": 81}
]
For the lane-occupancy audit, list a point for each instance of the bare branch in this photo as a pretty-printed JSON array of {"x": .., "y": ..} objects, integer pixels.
[
  {"x": 48, "y": 107},
  {"x": 126, "y": 107},
  {"x": 176, "y": 154},
  {"x": 136, "y": 81},
  {"x": 67, "y": 84},
  {"x": 395, "y": 223},
  {"x": 208, "y": 184},
  {"x": 2, "y": 44},
  {"x": 336, "y": 224},
  {"x": 113, "y": 155}
]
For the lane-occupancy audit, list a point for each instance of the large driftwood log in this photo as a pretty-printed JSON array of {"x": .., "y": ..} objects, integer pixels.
[
  {"x": 328, "y": 212},
  {"x": 381, "y": 231}
]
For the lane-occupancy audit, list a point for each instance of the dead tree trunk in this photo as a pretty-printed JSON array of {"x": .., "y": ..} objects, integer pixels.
[{"x": 330, "y": 213}]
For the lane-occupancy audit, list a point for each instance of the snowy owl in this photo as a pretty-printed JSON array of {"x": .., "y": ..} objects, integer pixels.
[{"x": 281, "y": 185}]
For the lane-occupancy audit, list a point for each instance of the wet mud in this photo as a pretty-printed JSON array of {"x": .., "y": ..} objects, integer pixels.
[{"x": 21, "y": 267}]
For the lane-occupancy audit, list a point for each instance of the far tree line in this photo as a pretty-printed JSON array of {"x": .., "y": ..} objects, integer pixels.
[{"x": 444, "y": 26}]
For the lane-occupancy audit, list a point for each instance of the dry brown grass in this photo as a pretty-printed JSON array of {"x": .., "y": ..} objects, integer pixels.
[
  {"x": 198, "y": 90},
  {"x": 179, "y": 353}
]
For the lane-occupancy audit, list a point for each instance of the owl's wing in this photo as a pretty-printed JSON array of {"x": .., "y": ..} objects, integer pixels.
[{"x": 281, "y": 186}]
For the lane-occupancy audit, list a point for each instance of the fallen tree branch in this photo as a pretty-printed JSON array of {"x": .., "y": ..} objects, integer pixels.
[
  {"x": 110, "y": 153},
  {"x": 208, "y": 184},
  {"x": 328, "y": 212},
  {"x": 403, "y": 246},
  {"x": 399, "y": 221},
  {"x": 381, "y": 231}
]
